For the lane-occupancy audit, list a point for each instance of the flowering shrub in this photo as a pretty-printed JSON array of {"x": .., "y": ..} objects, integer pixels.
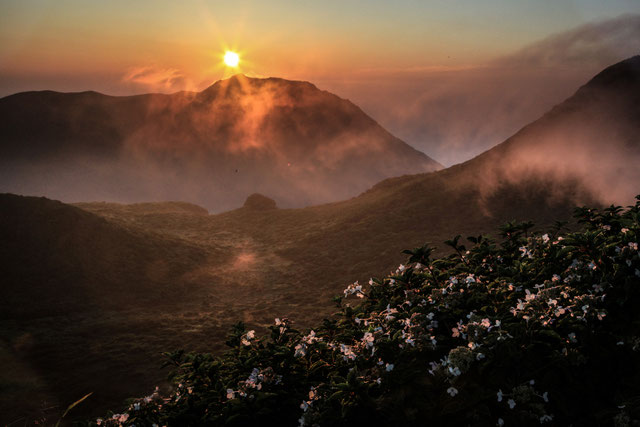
[{"x": 534, "y": 329}]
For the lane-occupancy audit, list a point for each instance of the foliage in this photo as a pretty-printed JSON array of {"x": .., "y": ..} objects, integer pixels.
[{"x": 536, "y": 328}]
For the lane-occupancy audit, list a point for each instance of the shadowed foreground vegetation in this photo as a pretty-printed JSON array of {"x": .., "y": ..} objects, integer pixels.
[{"x": 531, "y": 329}]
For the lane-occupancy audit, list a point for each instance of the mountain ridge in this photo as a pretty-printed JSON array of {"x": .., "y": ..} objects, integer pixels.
[{"x": 288, "y": 139}]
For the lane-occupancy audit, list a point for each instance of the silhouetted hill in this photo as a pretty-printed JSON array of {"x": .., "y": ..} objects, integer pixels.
[
  {"x": 592, "y": 138},
  {"x": 242, "y": 135},
  {"x": 259, "y": 202},
  {"x": 57, "y": 257}
]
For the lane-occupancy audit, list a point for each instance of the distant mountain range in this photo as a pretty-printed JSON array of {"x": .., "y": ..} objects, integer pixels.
[
  {"x": 287, "y": 139},
  {"x": 167, "y": 274}
]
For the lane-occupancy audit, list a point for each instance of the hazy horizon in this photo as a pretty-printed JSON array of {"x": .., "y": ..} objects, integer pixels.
[{"x": 453, "y": 83}]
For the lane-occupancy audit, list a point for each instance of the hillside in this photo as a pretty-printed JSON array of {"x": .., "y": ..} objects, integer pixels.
[
  {"x": 75, "y": 288},
  {"x": 52, "y": 251},
  {"x": 524, "y": 330},
  {"x": 287, "y": 139}
]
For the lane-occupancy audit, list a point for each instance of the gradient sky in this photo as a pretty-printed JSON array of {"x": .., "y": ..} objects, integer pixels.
[{"x": 349, "y": 47}]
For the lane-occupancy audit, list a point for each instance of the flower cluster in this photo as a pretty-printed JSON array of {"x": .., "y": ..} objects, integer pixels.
[{"x": 533, "y": 329}]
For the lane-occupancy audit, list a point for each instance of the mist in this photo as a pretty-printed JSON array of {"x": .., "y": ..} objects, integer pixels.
[
  {"x": 455, "y": 113},
  {"x": 284, "y": 139},
  {"x": 586, "y": 146}
]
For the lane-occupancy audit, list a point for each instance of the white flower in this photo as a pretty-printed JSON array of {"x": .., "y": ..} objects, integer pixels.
[
  {"x": 246, "y": 338},
  {"x": 511, "y": 403},
  {"x": 545, "y": 418},
  {"x": 500, "y": 422},
  {"x": 120, "y": 417},
  {"x": 545, "y": 238},
  {"x": 528, "y": 295},
  {"x": 470, "y": 279},
  {"x": 401, "y": 268},
  {"x": 304, "y": 405},
  {"x": 452, "y": 391},
  {"x": 633, "y": 245},
  {"x": 136, "y": 406},
  {"x": 624, "y": 230},
  {"x": 389, "y": 367},
  {"x": 525, "y": 251},
  {"x": 230, "y": 394},
  {"x": 368, "y": 339},
  {"x": 479, "y": 356},
  {"x": 312, "y": 393},
  {"x": 311, "y": 338},
  {"x": 500, "y": 395},
  {"x": 555, "y": 278},
  {"x": 347, "y": 352},
  {"x": 545, "y": 396},
  {"x": 301, "y": 350},
  {"x": 606, "y": 227},
  {"x": 354, "y": 288}
]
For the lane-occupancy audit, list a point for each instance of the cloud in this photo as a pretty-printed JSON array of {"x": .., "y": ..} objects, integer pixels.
[
  {"x": 596, "y": 44},
  {"x": 158, "y": 79},
  {"x": 455, "y": 114}
]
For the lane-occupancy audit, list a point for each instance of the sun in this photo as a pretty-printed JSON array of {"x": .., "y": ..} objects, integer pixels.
[{"x": 231, "y": 59}]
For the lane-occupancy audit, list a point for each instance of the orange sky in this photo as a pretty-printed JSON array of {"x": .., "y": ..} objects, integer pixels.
[
  {"x": 76, "y": 44},
  {"x": 423, "y": 69}
]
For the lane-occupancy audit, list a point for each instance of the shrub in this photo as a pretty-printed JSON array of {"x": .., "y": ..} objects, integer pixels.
[{"x": 534, "y": 329}]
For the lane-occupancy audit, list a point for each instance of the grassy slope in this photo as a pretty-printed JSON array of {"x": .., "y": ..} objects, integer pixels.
[{"x": 76, "y": 293}]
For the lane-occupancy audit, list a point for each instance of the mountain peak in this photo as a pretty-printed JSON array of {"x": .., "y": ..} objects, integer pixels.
[
  {"x": 243, "y": 84},
  {"x": 623, "y": 73},
  {"x": 242, "y": 135}
]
